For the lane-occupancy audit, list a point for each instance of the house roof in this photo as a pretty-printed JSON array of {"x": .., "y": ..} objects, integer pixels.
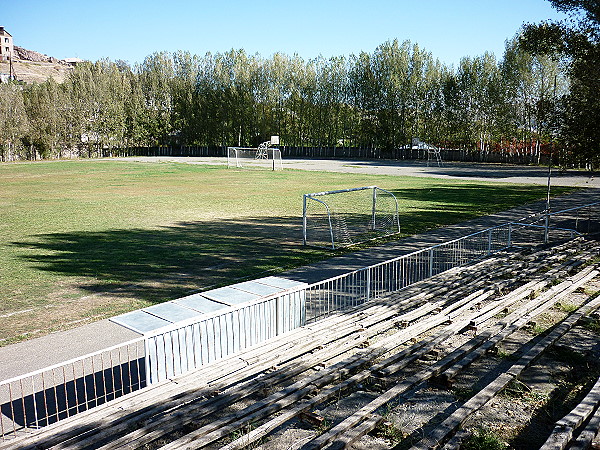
[{"x": 4, "y": 32}]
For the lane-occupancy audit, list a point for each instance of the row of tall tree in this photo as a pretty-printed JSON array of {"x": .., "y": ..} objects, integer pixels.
[{"x": 372, "y": 100}]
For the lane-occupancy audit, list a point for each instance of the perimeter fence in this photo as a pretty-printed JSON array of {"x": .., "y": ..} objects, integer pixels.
[
  {"x": 516, "y": 156},
  {"x": 55, "y": 393}
]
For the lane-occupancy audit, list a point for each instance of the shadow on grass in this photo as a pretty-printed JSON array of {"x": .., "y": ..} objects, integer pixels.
[
  {"x": 491, "y": 171},
  {"x": 475, "y": 198},
  {"x": 168, "y": 262}
]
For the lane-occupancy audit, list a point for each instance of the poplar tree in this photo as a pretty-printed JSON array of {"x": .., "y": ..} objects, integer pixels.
[
  {"x": 45, "y": 107},
  {"x": 13, "y": 120},
  {"x": 155, "y": 76}
]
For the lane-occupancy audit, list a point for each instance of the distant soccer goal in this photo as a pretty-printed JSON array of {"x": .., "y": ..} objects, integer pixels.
[
  {"x": 433, "y": 153},
  {"x": 349, "y": 216},
  {"x": 261, "y": 157}
]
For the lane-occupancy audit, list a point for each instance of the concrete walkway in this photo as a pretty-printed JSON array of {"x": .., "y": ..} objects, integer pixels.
[{"x": 24, "y": 357}]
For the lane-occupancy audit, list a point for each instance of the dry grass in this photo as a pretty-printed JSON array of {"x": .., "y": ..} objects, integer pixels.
[
  {"x": 37, "y": 72},
  {"x": 84, "y": 240}
]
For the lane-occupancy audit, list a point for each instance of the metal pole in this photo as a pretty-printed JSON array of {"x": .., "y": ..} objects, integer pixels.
[
  {"x": 374, "y": 205},
  {"x": 430, "y": 263},
  {"x": 330, "y": 229},
  {"x": 304, "y": 221},
  {"x": 546, "y": 221}
]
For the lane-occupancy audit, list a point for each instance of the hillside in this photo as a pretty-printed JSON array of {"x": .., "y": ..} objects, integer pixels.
[{"x": 33, "y": 67}]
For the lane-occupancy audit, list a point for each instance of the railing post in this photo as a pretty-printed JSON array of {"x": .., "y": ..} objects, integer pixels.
[
  {"x": 279, "y": 315},
  {"x": 430, "y": 262},
  {"x": 147, "y": 362},
  {"x": 303, "y": 294},
  {"x": 509, "y": 243},
  {"x": 489, "y": 242},
  {"x": 546, "y": 226},
  {"x": 368, "y": 283}
]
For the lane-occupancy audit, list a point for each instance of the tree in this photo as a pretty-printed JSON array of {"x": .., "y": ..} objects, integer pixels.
[
  {"x": 390, "y": 69},
  {"x": 13, "y": 120},
  {"x": 155, "y": 76},
  {"x": 535, "y": 85},
  {"x": 45, "y": 107},
  {"x": 579, "y": 40},
  {"x": 184, "y": 98}
]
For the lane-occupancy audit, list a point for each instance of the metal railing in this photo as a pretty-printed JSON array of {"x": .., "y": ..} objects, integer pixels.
[
  {"x": 185, "y": 346},
  {"x": 54, "y": 393},
  {"x": 359, "y": 286},
  {"x": 582, "y": 219}
]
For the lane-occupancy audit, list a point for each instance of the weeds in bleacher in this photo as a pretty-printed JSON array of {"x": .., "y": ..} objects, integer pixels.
[{"x": 483, "y": 439}]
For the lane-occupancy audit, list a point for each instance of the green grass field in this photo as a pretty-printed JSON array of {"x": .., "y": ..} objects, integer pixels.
[{"x": 85, "y": 240}]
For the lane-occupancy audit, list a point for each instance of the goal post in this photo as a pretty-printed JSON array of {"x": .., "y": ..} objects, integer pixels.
[
  {"x": 347, "y": 217},
  {"x": 261, "y": 157}
]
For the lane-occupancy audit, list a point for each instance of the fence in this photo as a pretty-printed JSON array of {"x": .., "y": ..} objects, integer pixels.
[
  {"x": 357, "y": 287},
  {"x": 583, "y": 219},
  {"x": 446, "y": 154},
  {"x": 172, "y": 351},
  {"x": 52, "y": 394}
]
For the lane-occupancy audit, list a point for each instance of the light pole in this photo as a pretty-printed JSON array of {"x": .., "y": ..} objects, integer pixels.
[{"x": 547, "y": 218}]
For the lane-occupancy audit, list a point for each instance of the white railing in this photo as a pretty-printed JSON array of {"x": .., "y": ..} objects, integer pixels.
[
  {"x": 582, "y": 219},
  {"x": 354, "y": 288},
  {"x": 54, "y": 393},
  {"x": 174, "y": 350},
  {"x": 48, "y": 395}
]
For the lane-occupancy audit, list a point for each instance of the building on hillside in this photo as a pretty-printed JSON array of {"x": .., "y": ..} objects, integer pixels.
[
  {"x": 6, "y": 46},
  {"x": 73, "y": 61}
]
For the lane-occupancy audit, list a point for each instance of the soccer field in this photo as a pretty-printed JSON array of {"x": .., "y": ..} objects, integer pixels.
[{"x": 85, "y": 240}]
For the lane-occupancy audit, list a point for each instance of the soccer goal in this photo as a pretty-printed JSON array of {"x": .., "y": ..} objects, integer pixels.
[
  {"x": 347, "y": 217},
  {"x": 433, "y": 153},
  {"x": 261, "y": 157}
]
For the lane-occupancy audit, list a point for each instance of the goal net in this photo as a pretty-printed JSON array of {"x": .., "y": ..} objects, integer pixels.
[
  {"x": 349, "y": 216},
  {"x": 244, "y": 157}
]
